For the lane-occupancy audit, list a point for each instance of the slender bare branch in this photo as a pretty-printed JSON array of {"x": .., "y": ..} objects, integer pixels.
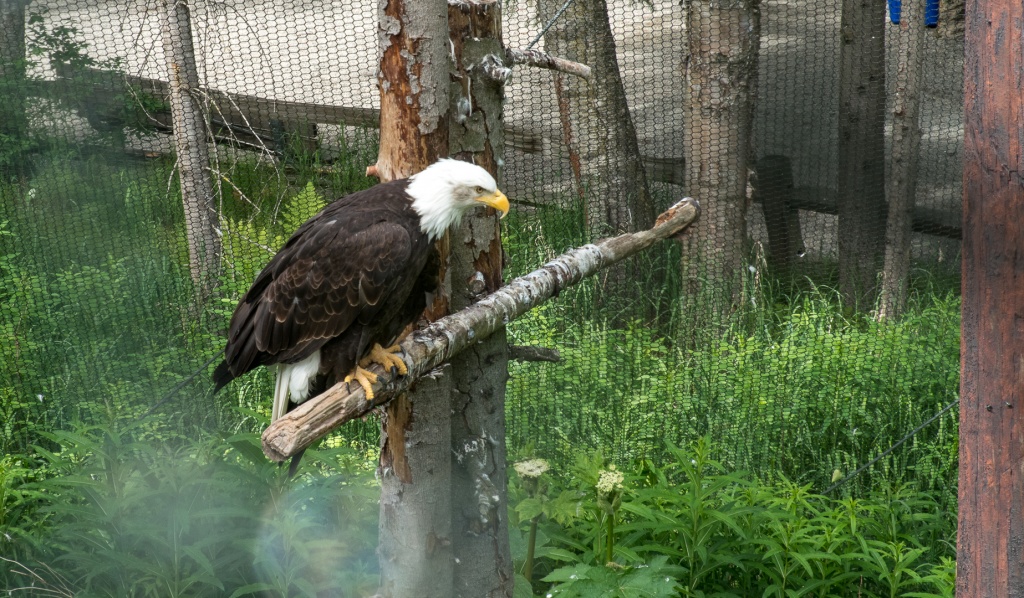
[
  {"x": 546, "y": 61},
  {"x": 531, "y": 353},
  {"x": 434, "y": 345}
]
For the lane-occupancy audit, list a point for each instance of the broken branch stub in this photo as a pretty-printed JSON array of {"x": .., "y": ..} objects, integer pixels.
[
  {"x": 432, "y": 346},
  {"x": 547, "y": 61}
]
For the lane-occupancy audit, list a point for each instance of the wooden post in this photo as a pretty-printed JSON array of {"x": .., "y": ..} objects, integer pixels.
[
  {"x": 774, "y": 190},
  {"x": 990, "y": 545},
  {"x": 415, "y": 464},
  {"x": 190, "y": 128}
]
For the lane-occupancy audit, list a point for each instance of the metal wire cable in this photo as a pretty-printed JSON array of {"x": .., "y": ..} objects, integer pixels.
[
  {"x": 549, "y": 24},
  {"x": 891, "y": 448}
]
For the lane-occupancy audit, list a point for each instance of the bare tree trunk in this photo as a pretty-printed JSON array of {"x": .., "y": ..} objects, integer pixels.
[
  {"x": 13, "y": 119},
  {"x": 479, "y": 498},
  {"x": 598, "y": 131},
  {"x": 906, "y": 144},
  {"x": 190, "y": 128},
  {"x": 415, "y": 472},
  {"x": 862, "y": 209},
  {"x": 723, "y": 38},
  {"x": 596, "y": 123}
]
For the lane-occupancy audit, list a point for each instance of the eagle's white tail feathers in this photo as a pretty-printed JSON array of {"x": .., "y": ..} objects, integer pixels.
[{"x": 293, "y": 379}]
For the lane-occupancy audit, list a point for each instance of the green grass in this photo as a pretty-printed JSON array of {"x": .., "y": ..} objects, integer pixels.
[
  {"x": 687, "y": 525},
  {"x": 98, "y": 320}
]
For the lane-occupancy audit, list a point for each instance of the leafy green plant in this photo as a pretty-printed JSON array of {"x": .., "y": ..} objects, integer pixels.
[
  {"x": 690, "y": 527},
  {"x": 213, "y": 518}
]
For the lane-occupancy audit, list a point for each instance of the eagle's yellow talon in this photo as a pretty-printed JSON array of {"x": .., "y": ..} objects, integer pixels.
[
  {"x": 365, "y": 378},
  {"x": 386, "y": 358}
]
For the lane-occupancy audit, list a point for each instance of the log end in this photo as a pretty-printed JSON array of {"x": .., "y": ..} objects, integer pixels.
[
  {"x": 278, "y": 442},
  {"x": 686, "y": 208}
]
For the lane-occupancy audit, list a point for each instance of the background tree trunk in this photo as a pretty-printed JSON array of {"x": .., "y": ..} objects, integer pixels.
[
  {"x": 723, "y": 38},
  {"x": 13, "y": 119},
  {"x": 598, "y": 132},
  {"x": 906, "y": 145},
  {"x": 862, "y": 208},
  {"x": 193, "y": 155},
  {"x": 596, "y": 123},
  {"x": 415, "y": 470},
  {"x": 479, "y": 500}
]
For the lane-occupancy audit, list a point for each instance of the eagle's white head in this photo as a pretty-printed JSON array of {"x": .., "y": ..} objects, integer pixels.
[{"x": 447, "y": 189}]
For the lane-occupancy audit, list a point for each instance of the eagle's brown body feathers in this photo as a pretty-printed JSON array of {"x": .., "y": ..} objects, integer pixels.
[{"x": 353, "y": 275}]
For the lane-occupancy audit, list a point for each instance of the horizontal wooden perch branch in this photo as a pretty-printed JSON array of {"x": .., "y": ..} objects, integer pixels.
[{"x": 432, "y": 346}]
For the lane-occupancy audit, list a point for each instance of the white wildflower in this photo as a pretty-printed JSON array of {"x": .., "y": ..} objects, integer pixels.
[
  {"x": 610, "y": 481},
  {"x": 531, "y": 468}
]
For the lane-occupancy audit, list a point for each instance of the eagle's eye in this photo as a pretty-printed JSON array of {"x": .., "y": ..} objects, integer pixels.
[{"x": 479, "y": 190}]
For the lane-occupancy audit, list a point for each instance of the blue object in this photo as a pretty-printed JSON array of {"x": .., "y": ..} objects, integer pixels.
[{"x": 931, "y": 12}]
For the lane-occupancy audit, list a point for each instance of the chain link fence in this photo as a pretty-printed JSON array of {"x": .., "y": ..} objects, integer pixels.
[{"x": 768, "y": 328}]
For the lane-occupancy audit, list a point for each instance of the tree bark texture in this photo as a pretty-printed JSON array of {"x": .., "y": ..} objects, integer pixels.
[
  {"x": 415, "y": 518},
  {"x": 436, "y": 344},
  {"x": 990, "y": 545},
  {"x": 415, "y": 545},
  {"x": 723, "y": 38},
  {"x": 862, "y": 207},
  {"x": 13, "y": 120},
  {"x": 193, "y": 155},
  {"x": 906, "y": 145},
  {"x": 479, "y": 501},
  {"x": 413, "y": 80},
  {"x": 483, "y": 561},
  {"x": 596, "y": 125}
]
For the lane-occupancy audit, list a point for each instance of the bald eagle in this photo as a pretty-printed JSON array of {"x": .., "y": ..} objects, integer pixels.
[{"x": 347, "y": 283}]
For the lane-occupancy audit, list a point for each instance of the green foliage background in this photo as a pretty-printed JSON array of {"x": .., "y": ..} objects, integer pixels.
[{"x": 102, "y": 495}]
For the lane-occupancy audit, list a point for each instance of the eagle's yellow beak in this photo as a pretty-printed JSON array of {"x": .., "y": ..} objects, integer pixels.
[{"x": 496, "y": 200}]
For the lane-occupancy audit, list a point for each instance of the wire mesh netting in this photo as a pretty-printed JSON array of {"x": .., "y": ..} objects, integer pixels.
[{"x": 808, "y": 322}]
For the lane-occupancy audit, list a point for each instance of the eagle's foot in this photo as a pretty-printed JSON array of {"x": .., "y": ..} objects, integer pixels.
[
  {"x": 386, "y": 358},
  {"x": 365, "y": 378}
]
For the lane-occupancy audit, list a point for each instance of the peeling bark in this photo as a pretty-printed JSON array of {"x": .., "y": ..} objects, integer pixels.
[
  {"x": 906, "y": 145},
  {"x": 483, "y": 561},
  {"x": 723, "y": 38},
  {"x": 193, "y": 155},
  {"x": 415, "y": 473},
  {"x": 862, "y": 208},
  {"x": 436, "y": 344}
]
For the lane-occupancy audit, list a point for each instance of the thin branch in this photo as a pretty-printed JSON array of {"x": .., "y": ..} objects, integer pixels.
[
  {"x": 547, "y": 61},
  {"x": 426, "y": 349},
  {"x": 530, "y": 353}
]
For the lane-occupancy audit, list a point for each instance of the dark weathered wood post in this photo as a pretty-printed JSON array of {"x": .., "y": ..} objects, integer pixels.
[
  {"x": 415, "y": 472},
  {"x": 190, "y": 129},
  {"x": 990, "y": 546}
]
